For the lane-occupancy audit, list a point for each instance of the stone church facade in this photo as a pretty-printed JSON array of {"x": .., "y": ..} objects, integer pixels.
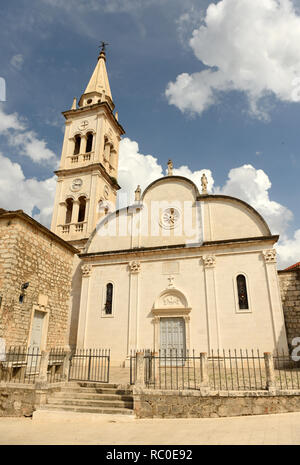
[{"x": 178, "y": 269}]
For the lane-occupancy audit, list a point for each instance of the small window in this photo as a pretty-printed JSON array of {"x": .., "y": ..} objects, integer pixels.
[
  {"x": 242, "y": 292},
  {"x": 89, "y": 101},
  {"x": 77, "y": 145},
  {"x": 89, "y": 142},
  {"x": 109, "y": 297},
  {"x": 82, "y": 205},
  {"x": 69, "y": 211}
]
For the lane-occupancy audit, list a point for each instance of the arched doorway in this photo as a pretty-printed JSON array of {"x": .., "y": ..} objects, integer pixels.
[{"x": 171, "y": 324}]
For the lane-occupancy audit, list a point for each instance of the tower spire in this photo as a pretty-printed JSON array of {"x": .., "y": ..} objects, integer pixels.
[{"x": 98, "y": 88}]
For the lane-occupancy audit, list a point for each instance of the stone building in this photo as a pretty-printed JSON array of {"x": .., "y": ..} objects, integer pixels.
[
  {"x": 178, "y": 269},
  {"x": 35, "y": 282},
  {"x": 289, "y": 280}
]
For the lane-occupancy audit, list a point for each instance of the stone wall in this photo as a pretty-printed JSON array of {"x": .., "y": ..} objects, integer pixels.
[
  {"x": 22, "y": 400},
  {"x": 290, "y": 294},
  {"x": 17, "y": 401},
  {"x": 193, "y": 405},
  {"x": 31, "y": 254}
]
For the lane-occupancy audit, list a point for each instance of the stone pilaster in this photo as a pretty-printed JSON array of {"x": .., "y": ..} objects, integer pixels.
[
  {"x": 86, "y": 270},
  {"x": 209, "y": 263},
  {"x": 134, "y": 270},
  {"x": 276, "y": 312}
]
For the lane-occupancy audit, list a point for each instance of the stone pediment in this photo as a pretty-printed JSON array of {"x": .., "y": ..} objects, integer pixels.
[{"x": 171, "y": 300}]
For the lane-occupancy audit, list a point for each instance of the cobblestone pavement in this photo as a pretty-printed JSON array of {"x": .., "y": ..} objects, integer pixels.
[{"x": 120, "y": 430}]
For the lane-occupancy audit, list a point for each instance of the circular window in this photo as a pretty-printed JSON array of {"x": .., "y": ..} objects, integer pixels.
[
  {"x": 170, "y": 217},
  {"x": 89, "y": 100}
]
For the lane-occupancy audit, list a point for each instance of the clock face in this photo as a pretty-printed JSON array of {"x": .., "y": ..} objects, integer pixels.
[
  {"x": 76, "y": 184},
  {"x": 170, "y": 217}
]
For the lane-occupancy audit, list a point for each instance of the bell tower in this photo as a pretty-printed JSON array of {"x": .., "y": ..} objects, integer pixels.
[{"x": 87, "y": 175}]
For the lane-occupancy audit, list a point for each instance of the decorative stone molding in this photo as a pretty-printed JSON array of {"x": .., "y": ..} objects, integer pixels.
[
  {"x": 134, "y": 267},
  {"x": 86, "y": 270},
  {"x": 209, "y": 261},
  {"x": 172, "y": 301},
  {"x": 270, "y": 256}
]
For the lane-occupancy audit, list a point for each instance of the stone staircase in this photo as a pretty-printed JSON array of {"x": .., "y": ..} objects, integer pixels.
[{"x": 86, "y": 397}]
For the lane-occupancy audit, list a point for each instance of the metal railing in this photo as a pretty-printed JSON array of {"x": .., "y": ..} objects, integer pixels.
[
  {"x": 220, "y": 370},
  {"x": 24, "y": 365},
  {"x": 90, "y": 365},
  {"x": 20, "y": 365},
  {"x": 236, "y": 370},
  {"x": 55, "y": 365},
  {"x": 287, "y": 371}
]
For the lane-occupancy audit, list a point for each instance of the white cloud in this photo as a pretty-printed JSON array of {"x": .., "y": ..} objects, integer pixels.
[
  {"x": 13, "y": 128},
  {"x": 10, "y": 122},
  {"x": 135, "y": 168},
  {"x": 251, "y": 46},
  {"x": 289, "y": 250},
  {"x": 17, "y": 61},
  {"x": 195, "y": 176},
  {"x": 19, "y": 193},
  {"x": 252, "y": 186}
]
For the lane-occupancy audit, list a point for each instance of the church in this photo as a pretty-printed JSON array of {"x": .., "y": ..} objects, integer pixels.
[{"x": 179, "y": 269}]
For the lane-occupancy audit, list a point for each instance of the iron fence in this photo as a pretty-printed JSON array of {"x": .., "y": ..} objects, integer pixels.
[
  {"x": 220, "y": 370},
  {"x": 287, "y": 371},
  {"x": 20, "y": 365},
  {"x": 55, "y": 365},
  {"x": 90, "y": 365},
  {"x": 237, "y": 370}
]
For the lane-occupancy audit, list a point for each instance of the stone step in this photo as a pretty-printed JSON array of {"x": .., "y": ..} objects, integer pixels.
[
  {"x": 67, "y": 416},
  {"x": 86, "y": 409},
  {"x": 90, "y": 403},
  {"x": 90, "y": 396},
  {"x": 99, "y": 390},
  {"x": 91, "y": 384}
]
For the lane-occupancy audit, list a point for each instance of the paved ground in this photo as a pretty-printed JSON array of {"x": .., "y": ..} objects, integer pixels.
[{"x": 120, "y": 430}]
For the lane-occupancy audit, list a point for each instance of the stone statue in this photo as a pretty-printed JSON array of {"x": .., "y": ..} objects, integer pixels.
[
  {"x": 170, "y": 168},
  {"x": 138, "y": 194},
  {"x": 204, "y": 183}
]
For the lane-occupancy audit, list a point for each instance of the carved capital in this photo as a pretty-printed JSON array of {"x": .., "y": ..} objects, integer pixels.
[
  {"x": 134, "y": 267},
  {"x": 209, "y": 261},
  {"x": 270, "y": 255},
  {"x": 86, "y": 270}
]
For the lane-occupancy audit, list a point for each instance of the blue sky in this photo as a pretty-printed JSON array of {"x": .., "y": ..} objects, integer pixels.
[{"x": 223, "y": 98}]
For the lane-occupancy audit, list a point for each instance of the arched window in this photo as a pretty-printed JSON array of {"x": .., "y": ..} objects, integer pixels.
[
  {"x": 81, "y": 212},
  {"x": 77, "y": 145},
  {"x": 242, "y": 292},
  {"x": 69, "y": 203},
  {"x": 109, "y": 298},
  {"x": 89, "y": 142}
]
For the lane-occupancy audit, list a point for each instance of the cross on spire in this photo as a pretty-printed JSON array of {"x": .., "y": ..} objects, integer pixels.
[{"x": 103, "y": 45}]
